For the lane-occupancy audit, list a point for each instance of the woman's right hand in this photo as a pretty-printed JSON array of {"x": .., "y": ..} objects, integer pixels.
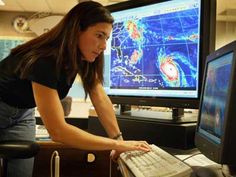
[
  {"x": 129, "y": 146},
  {"x": 132, "y": 145}
]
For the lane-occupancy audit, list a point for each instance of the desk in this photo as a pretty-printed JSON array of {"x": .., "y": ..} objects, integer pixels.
[
  {"x": 194, "y": 159},
  {"x": 161, "y": 134},
  {"x": 73, "y": 162}
]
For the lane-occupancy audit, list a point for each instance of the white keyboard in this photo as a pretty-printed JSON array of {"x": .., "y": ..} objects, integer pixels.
[
  {"x": 41, "y": 132},
  {"x": 155, "y": 163}
]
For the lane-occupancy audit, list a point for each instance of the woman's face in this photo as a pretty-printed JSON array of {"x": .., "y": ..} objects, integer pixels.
[{"x": 92, "y": 42}]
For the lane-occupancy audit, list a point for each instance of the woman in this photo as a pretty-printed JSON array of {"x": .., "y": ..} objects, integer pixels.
[{"x": 41, "y": 72}]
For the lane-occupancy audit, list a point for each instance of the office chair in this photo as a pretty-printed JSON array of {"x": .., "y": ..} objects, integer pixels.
[
  {"x": 15, "y": 150},
  {"x": 66, "y": 105}
]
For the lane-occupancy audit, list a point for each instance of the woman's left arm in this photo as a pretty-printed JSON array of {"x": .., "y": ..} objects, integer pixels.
[{"x": 104, "y": 109}]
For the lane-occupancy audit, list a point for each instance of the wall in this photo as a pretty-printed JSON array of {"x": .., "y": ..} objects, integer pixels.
[
  {"x": 6, "y": 27},
  {"x": 225, "y": 33}
]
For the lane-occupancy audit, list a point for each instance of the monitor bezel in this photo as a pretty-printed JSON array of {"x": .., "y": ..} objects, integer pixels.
[
  {"x": 222, "y": 152},
  {"x": 207, "y": 44}
]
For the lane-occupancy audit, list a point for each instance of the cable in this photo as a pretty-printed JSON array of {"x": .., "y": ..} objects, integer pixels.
[
  {"x": 57, "y": 164},
  {"x": 110, "y": 173},
  {"x": 224, "y": 175},
  {"x": 221, "y": 169},
  {"x": 191, "y": 156},
  {"x": 121, "y": 167}
]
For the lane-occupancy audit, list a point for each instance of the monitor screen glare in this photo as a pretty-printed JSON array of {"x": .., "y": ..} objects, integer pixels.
[{"x": 153, "y": 51}]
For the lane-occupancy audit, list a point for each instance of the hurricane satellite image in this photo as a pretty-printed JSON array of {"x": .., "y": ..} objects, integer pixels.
[{"x": 155, "y": 52}]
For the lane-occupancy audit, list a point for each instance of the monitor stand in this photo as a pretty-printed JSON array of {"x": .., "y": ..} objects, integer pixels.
[{"x": 175, "y": 116}]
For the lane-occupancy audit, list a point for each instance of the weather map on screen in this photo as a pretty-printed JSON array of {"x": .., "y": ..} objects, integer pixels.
[{"x": 155, "y": 48}]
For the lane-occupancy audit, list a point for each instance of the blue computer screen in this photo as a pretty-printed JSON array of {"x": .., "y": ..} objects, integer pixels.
[
  {"x": 154, "y": 51},
  {"x": 215, "y": 97}
]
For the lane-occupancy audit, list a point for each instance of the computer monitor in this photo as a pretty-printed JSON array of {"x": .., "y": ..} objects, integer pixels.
[
  {"x": 215, "y": 134},
  {"x": 156, "y": 52}
]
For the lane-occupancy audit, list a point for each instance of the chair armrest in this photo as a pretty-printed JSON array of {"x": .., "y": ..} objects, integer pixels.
[{"x": 18, "y": 149}]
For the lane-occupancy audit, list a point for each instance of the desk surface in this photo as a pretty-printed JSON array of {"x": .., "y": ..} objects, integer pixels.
[
  {"x": 191, "y": 157},
  {"x": 51, "y": 144}
]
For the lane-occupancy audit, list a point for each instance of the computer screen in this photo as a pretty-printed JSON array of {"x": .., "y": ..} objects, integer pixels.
[
  {"x": 216, "y": 134},
  {"x": 156, "y": 51}
]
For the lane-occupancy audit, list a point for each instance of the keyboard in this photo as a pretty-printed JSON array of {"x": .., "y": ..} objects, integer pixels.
[
  {"x": 155, "y": 163},
  {"x": 41, "y": 132}
]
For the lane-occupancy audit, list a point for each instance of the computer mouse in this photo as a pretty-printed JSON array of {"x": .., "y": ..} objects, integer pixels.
[{"x": 208, "y": 171}]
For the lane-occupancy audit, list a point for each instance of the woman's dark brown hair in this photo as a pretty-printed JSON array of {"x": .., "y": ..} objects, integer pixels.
[{"x": 60, "y": 43}]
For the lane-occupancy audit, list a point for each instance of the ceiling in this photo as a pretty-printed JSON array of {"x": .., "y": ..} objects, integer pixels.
[
  {"x": 52, "y": 6},
  {"x": 226, "y": 9}
]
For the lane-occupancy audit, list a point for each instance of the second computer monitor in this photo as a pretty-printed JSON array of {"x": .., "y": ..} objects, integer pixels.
[{"x": 216, "y": 129}]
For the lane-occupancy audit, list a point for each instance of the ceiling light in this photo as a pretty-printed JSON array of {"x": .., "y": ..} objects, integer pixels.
[{"x": 2, "y": 3}]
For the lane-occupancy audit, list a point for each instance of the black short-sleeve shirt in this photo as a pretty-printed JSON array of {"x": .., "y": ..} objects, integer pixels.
[{"x": 18, "y": 92}]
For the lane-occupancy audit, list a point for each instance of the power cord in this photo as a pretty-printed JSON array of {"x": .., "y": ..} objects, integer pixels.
[
  {"x": 191, "y": 156},
  {"x": 57, "y": 164},
  {"x": 110, "y": 166},
  {"x": 221, "y": 169},
  {"x": 121, "y": 167}
]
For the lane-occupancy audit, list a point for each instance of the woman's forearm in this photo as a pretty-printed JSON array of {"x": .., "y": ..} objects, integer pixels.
[
  {"x": 81, "y": 139},
  {"x": 105, "y": 112}
]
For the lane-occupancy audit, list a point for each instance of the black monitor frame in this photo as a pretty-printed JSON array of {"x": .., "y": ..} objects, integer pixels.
[
  {"x": 223, "y": 153},
  {"x": 207, "y": 45}
]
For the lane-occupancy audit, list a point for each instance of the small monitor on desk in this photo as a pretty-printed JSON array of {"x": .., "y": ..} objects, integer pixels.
[{"x": 216, "y": 129}]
